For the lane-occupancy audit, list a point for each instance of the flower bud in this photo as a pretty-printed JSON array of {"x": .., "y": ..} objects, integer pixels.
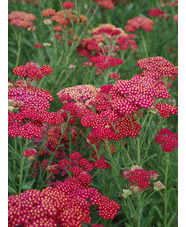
[
  {"x": 10, "y": 109},
  {"x": 135, "y": 167},
  {"x": 126, "y": 193},
  {"x": 158, "y": 186},
  {"x": 47, "y": 21},
  {"x": 46, "y": 44}
]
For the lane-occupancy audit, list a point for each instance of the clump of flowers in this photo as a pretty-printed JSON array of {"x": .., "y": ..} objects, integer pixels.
[
  {"x": 106, "y": 39},
  {"x": 158, "y": 68},
  {"x": 103, "y": 62},
  {"x": 168, "y": 140},
  {"x": 63, "y": 20},
  {"x": 164, "y": 109},
  {"x": 158, "y": 13},
  {"x": 139, "y": 22},
  {"x": 67, "y": 5},
  {"x": 65, "y": 203},
  {"x": 30, "y": 153},
  {"x": 21, "y": 19},
  {"x": 107, "y": 4},
  {"x": 37, "y": 45},
  {"x": 31, "y": 70},
  {"x": 139, "y": 179},
  {"x": 30, "y": 105}
]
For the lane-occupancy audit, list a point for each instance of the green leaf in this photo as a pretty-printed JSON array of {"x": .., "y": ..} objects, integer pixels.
[
  {"x": 171, "y": 219},
  {"x": 11, "y": 190},
  {"x": 28, "y": 185},
  {"x": 159, "y": 212}
]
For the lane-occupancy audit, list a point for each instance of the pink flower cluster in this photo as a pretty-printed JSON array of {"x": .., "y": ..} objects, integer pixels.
[
  {"x": 68, "y": 5},
  {"x": 66, "y": 204},
  {"x": 32, "y": 71},
  {"x": 157, "y": 68},
  {"x": 167, "y": 139},
  {"x": 158, "y": 13},
  {"x": 32, "y": 104},
  {"x": 139, "y": 22},
  {"x": 103, "y": 62},
  {"x": 22, "y": 19},
  {"x": 139, "y": 179},
  {"x": 165, "y": 109}
]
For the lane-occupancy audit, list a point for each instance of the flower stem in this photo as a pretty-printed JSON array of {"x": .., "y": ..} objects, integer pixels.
[
  {"x": 138, "y": 150},
  {"x": 165, "y": 195},
  {"x": 19, "y": 47},
  {"x": 144, "y": 44}
]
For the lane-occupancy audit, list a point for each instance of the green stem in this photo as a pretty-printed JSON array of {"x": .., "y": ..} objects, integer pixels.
[
  {"x": 144, "y": 44},
  {"x": 113, "y": 168},
  {"x": 139, "y": 210},
  {"x": 21, "y": 164},
  {"x": 146, "y": 153},
  {"x": 19, "y": 47},
  {"x": 138, "y": 150},
  {"x": 165, "y": 195}
]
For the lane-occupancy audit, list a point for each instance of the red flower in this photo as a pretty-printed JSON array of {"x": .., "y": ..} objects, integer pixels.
[
  {"x": 157, "y": 67},
  {"x": 68, "y": 5},
  {"x": 139, "y": 22},
  {"x": 165, "y": 109},
  {"x": 167, "y": 139},
  {"x": 102, "y": 164},
  {"x": 156, "y": 12},
  {"x": 139, "y": 179},
  {"x": 49, "y": 12},
  {"x": 38, "y": 45},
  {"x": 21, "y": 19},
  {"x": 176, "y": 17}
]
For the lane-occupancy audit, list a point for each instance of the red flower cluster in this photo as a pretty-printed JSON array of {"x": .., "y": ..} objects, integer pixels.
[
  {"x": 108, "y": 4},
  {"x": 165, "y": 109},
  {"x": 21, "y": 19},
  {"x": 139, "y": 22},
  {"x": 139, "y": 92},
  {"x": 101, "y": 163},
  {"x": 37, "y": 45},
  {"x": 176, "y": 17},
  {"x": 167, "y": 139},
  {"x": 32, "y": 71},
  {"x": 30, "y": 153},
  {"x": 66, "y": 204},
  {"x": 157, "y": 68},
  {"x": 102, "y": 35},
  {"x": 139, "y": 179},
  {"x": 110, "y": 125},
  {"x": 79, "y": 93},
  {"x": 158, "y": 13},
  {"x": 32, "y": 104},
  {"x": 67, "y": 5},
  {"x": 103, "y": 62}
]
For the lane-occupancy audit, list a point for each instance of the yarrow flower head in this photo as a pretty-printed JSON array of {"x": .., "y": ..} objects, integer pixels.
[
  {"x": 21, "y": 19},
  {"x": 158, "y": 13},
  {"x": 67, "y": 202},
  {"x": 102, "y": 164},
  {"x": 158, "y": 186},
  {"x": 32, "y": 71},
  {"x": 165, "y": 109},
  {"x": 68, "y": 5},
  {"x": 139, "y": 22},
  {"x": 139, "y": 179},
  {"x": 79, "y": 93},
  {"x": 30, "y": 153},
  {"x": 157, "y": 68},
  {"x": 168, "y": 140}
]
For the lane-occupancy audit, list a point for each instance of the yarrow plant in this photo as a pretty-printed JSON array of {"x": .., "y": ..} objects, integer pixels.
[{"x": 92, "y": 113}]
